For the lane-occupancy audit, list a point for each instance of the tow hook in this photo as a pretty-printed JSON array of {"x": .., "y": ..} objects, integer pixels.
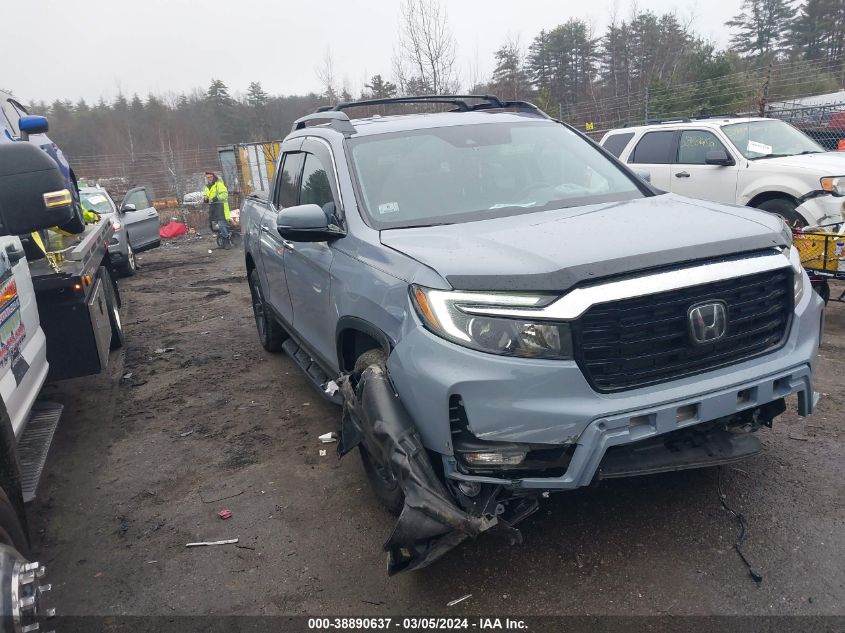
[{"x": 23, "y": 593}]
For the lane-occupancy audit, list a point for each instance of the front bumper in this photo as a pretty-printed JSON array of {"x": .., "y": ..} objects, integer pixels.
[{"x": 550, "y": 402}]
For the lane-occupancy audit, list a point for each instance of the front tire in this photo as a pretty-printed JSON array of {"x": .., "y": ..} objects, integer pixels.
[
  {"x": 130, "y": 266},
  {"x": 380, "y": 476},
  {"x": 270, "y": 333},
  {"x": 785, "y": 208}
]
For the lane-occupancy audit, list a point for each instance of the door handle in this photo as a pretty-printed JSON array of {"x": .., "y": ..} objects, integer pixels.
[
  {"x": 288, "y": 245},
  {"x": 264, "y": 229},
  {"x": 14, "y": 254},
  {"x": 682, "y": 174}
]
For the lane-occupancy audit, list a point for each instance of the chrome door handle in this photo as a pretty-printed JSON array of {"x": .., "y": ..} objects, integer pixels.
[
  {"x": 682, "y": 174},
  {"x": 288, "y": 245},
  {"x": 264, "y": 229}
]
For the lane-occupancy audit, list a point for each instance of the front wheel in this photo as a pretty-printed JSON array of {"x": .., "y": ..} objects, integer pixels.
[
  {"x": 130, "y": 266},
  {"x": 382, "y": 480},
  {"x": 785, "y": 208}
]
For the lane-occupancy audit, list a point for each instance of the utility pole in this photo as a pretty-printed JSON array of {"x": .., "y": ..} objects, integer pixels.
[{"x": 646, "y": 104}]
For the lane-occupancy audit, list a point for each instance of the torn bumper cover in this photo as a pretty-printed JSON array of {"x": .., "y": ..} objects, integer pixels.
[{"x": 430, "y": 523}]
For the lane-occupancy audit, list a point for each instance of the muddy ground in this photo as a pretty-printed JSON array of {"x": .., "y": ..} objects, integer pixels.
[{"x": 147, "y": 455}]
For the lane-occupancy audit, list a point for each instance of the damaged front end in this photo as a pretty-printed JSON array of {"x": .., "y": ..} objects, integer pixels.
[{"x": 433, "y": 520}]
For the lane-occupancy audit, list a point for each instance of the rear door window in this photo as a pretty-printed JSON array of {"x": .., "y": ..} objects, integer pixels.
[
  {"x": 656, "y": 148},
  {"x": 616, "y": 143}
]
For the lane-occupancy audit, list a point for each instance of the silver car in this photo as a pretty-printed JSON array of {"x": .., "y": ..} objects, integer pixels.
[{"x": 135, "y": 223}]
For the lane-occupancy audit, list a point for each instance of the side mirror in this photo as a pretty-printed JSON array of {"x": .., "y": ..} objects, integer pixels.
[
  {"x": 33, "y": 193},
  {"x": 33, "y": 124},
  {"x": 642, "y": 174},
  {"x": 306, "y": 223},
  {"x": 718, "y": 157},
  {"x": 127, "y": 207}
]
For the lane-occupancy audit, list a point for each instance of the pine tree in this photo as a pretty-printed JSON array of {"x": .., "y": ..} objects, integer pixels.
[
  {"x": 510, "y": 80},
  {"x": 762, "y": 27},
  {"x": 380, "y": 89},
  {"x": 255, "y": 95}
]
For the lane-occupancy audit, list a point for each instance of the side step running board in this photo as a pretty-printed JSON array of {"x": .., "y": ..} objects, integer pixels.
[
  {"x": 35, "y": 444},
  {"x": 315, "y": 374}
]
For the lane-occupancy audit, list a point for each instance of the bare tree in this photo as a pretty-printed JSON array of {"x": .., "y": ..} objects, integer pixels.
[
  {"x": 425, "y": 59},
  {"x": 325, "y": 74}
]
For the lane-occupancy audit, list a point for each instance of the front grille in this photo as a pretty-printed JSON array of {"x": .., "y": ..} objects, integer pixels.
[{"x": 646, "y": 340}]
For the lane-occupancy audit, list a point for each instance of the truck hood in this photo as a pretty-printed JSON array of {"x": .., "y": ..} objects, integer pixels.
[
  {"x": 555, "y": 250},
  {"x": 825, "y": 163}
]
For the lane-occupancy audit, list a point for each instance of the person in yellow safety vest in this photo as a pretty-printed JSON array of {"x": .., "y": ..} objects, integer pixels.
[
  {"x": 90, "y": 217},
  {"x": 217, "y": 196}
]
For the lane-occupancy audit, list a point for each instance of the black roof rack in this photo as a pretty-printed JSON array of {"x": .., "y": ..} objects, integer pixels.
[{"x": 486, "y": 102}]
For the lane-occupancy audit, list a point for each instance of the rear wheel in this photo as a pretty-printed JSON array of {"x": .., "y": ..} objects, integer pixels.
[
  {"x": 380, "y": 475},
  {"x": 785, "y": 208},
  {"x": 270, "y": 333}
]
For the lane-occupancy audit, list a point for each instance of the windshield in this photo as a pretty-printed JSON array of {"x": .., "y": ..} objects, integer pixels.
[
  {"x": 97, "y": 201},
  {"x": 474, "y": 172},
  {"x": 769, "y": 139}
]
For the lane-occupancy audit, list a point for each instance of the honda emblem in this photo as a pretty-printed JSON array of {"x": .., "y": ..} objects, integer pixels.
[{"x": 708, "y": 322}]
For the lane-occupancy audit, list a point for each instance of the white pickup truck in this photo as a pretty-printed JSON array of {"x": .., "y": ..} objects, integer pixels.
[
  {"x": 751, "y": 161},
  {"x": 59, "y": 317}
]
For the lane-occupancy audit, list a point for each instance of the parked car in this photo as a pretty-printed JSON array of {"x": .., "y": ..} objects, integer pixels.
[
  {"x": 17, "y": 125},
  {"x": 505, "y": 310},
  {"x": 753, "y": 161},
  {"x": 135, "y": 229}
]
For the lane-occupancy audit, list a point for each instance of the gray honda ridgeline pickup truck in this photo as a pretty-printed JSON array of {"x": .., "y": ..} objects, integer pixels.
[{"x": 505, "y": 310}]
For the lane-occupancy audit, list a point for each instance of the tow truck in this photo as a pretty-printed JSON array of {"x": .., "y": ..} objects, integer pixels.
[{"x": 59, "y": 317}]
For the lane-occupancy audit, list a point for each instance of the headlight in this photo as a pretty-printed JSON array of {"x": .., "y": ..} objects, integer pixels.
[
  {"x": 786, "y": 231},
  {"x": 799, "y": 276},
  {"x": 834, "y": 184},
  {"x": 442, "y": 312}
]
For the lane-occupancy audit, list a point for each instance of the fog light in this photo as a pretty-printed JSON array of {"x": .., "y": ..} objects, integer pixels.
[
  {"x": 494, "y": 458},
  {"x": 469, "y": 488}
]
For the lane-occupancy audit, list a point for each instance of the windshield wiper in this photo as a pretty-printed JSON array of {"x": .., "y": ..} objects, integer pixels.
[
  {"x": 807, "y": 151},
  {"x": 421, "y": 226}
]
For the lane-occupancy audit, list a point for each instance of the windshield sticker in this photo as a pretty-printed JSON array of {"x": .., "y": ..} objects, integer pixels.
[
  {"x": 388, "y": 207},
  {"x": 96, "y": 199},
  {"x": 759, "y": 148}
]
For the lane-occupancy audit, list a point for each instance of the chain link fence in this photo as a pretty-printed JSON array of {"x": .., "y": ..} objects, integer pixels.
[{"x": 174, "y": 180}]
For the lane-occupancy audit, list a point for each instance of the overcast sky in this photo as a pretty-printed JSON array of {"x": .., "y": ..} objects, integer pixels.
[{"x": 97, "y": 48}]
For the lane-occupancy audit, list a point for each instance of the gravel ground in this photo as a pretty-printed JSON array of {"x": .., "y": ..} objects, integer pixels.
[{"x": 147, "y": 455}]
